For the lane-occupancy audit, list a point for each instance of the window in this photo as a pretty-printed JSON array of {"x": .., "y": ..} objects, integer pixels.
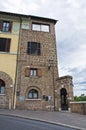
[
  {"x": 5, "y": 44},
  {"x": 45, "y": 28},
  {"x": 33, "y": 72},
  {"x": 2, "y": 87},
  {"x": 33, "y": 48},
  {"x": 33, "y": 94},
  {"x": 41, "y": 27},
  {"x": 5, "y": 26},
  {"x": 36, "y": 27}
]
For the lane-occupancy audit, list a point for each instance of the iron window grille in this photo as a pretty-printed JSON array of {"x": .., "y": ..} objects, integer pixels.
[{"x": 33, "y": 48}]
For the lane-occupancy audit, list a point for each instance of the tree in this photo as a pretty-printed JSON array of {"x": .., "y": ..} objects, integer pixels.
[{"x": 80, "y": 98}]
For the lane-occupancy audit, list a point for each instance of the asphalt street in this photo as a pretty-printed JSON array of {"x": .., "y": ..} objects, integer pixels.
[{"x": 15, "y": 123}]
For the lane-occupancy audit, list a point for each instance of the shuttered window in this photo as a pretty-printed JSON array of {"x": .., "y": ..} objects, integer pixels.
[
  {"x": 5, "y": 26},
  {"x": 5, "y": 44},
  {"x": 33, "y": 72}
]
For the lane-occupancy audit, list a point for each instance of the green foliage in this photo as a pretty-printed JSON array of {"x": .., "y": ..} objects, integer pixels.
[{"x": 80, "y": 98}]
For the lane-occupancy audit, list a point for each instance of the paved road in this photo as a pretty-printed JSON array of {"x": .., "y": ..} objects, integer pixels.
[{"x": 15, "y": 123}]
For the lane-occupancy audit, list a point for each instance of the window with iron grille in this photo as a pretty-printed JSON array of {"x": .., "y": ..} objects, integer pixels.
[{"x": 33, "y": 48}]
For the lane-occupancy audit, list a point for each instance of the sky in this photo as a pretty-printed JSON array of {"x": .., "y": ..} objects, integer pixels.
[{"x": 70, "y": 33}]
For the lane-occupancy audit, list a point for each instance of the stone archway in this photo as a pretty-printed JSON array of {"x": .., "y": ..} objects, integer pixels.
[
  {"x": 6, "y": 91},
  {"x": 6, "y": 78},
  {"x": 63, "y": 96}
]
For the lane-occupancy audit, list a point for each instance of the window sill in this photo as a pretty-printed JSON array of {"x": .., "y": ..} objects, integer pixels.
[
  {"x": 2, "y": 94},
  {"x": 6, "y": 32},
  {"x": 10, "y": 53},
  {"x": 35, "y": 77},
  {"x": 33, "y": 99},
  {"x": 35, "y": 55},
  {"x": 41, "y": 31}
]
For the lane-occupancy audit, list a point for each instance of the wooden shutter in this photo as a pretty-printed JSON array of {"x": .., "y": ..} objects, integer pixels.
[
  {"x": 8, "y": 45},
  {"x": 27, "y": 71},
  {"x": 10, "y": 26},
  {"x": 1, "y": 24},
  {"x": 39, "y": 73}
]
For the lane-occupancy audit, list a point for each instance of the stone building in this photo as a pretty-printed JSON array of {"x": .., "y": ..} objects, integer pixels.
[{"x": 29, "y": 76}]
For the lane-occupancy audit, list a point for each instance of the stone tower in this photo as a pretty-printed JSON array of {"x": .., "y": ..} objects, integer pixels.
[{"x": 37, "y": 64}]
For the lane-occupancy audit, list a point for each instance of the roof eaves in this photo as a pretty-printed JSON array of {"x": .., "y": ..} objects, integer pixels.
[{"x": 27, "y": 16}]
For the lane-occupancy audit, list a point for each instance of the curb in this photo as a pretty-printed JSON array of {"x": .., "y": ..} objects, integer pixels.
[{"x": 41, "y": 120}]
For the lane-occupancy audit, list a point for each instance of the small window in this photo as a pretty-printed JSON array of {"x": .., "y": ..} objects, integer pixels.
[
  {"x": 2, "y": 87},
  {"x": 5, "y": 44},
  {"x": 5, "y": 26},
  {"x": 40, "y": 27},
  {"x": 33, "y": 48},
  {"x": 33, "y": 94},
  {"x": 33, "y": 72}
]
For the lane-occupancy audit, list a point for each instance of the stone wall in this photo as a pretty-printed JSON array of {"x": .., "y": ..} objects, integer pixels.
[{"x": 78, "y": 107}]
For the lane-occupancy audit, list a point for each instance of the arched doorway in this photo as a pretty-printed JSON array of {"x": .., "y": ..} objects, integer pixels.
[{"x": 63, "y": 95}]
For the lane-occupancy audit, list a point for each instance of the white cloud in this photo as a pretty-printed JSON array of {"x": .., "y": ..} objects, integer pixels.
[
  {"x": 79, "y": 89},
  {"x": 73, "y": 3}
]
